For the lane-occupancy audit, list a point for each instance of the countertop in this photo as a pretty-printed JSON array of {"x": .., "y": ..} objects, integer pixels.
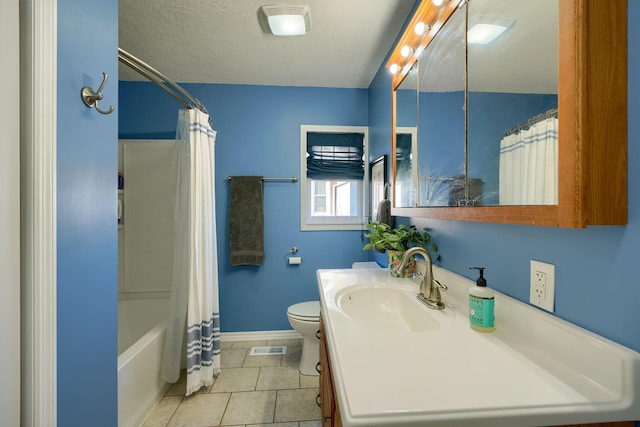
[{"x": 431, "y": 369}]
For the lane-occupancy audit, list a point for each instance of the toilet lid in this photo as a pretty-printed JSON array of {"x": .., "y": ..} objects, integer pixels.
[{"x": 305, "y": 310}]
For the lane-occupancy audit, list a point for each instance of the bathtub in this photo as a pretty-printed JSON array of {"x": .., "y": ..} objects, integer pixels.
[{"x": 142, "y": 325}]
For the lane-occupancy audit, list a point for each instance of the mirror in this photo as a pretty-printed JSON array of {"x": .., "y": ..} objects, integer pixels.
[
  {"x": 441, "y": 100},
  {"x": 504, "y": 151},
  {"x": 406, "y": 147},
  {"x": 512, "y": 139},
  {"x": 590, "y": 51}
]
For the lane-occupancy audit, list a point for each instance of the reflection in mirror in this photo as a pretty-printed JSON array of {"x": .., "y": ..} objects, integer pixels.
[
  {"x": 441, "y": 116},
  {"x": 513, "y": 101},
  {"x": 406, "y": 141}
]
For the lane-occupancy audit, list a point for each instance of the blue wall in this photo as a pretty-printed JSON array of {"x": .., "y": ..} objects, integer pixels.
[
  {"x": 258, "y": 133},
  {"x": 596, "y": 268},
  {"x": 86, "y": 216}
]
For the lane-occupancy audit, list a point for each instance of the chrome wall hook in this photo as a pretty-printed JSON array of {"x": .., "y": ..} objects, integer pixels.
[{"x": 91, "y": 98}]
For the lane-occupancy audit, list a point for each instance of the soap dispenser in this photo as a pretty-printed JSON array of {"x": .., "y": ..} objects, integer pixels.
[{"x": 481, "y": 304}]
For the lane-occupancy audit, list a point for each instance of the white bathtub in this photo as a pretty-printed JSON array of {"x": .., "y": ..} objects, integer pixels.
[{"x": 142, "y": 325}]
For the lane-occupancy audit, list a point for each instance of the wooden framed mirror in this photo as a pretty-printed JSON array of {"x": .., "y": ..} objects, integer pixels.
[{"x": 592, "y": 111}]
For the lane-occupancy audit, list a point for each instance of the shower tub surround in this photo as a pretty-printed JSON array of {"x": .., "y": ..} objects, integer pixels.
[{"x": 432, "y": 369}]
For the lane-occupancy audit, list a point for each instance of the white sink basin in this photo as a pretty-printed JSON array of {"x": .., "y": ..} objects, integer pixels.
[
  {"x": 431, "y": 369},
  {"x": 388, "y": 308}
]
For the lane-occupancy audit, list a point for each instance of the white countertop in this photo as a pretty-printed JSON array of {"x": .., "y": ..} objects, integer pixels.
[{"x": 398, "y": 363}]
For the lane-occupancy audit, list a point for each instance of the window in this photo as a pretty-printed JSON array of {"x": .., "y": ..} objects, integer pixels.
[{"x": 333, "y": 176}]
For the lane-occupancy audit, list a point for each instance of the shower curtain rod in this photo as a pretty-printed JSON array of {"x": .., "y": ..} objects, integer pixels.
[
  {"x": 532, "y": 121},
  {"x": 169, "y": 86}
]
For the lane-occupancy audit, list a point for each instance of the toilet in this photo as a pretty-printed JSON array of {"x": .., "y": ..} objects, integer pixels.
[{"x": 304, "y": 317}]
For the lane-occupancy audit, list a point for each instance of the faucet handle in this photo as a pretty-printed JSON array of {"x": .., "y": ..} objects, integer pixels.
[{"x": 440, "y": 285}]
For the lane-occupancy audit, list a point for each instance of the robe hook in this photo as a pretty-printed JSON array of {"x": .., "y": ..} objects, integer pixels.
[{"x": 91, "y": 98}]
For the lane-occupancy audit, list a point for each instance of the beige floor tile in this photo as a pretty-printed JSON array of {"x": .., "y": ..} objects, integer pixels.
[
  {"x": 162, "y": 412},
  {"x": 268, "y": 360},
  {"x": 315, "y": 423},
  {"x": 249, "y": 344},
  {"x": 289, "y": 342},
  {"x": 226, "y": 345},
  {"x": 278, "y": 377},
  {"x": 232, "y": 358},
  {"x": 274, "y": 425},
  {"x": 309, "y": 381},
  {"x": 297, "y": 405},
  {"x": 236, "y": 379},
  {"x": 292, "y": 358},
  {"x": 250, "y": 408},
  {"x": 200, "y": 410}
]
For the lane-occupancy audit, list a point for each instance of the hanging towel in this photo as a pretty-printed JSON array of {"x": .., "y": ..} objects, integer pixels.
[
  {"x": 384, "y": 209},
  {"x": 384, "y": 212},
  {"x": 246, "y": 221}
]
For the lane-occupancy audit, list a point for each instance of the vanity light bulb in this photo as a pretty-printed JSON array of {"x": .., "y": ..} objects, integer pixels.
[
  {"x": 406, "y": 51},
  {"x": 420, "y": 28},
  {"x": 394, "y": 68},
  {"x": 437, "y": 3}
]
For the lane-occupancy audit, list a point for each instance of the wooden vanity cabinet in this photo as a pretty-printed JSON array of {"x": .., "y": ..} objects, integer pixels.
[{"x": 328, "y": 405}]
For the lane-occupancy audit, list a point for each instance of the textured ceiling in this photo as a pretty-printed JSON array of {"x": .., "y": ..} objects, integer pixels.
[{"x": 221, "y": 41}]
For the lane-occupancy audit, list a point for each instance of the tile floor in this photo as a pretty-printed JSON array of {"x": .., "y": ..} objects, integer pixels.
[{"x": 251, "y": 391}]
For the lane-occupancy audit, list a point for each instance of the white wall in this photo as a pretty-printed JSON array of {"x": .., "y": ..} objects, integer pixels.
[
  {"x": 10, "y": 216},
  {"x": 146, "y": 239}
]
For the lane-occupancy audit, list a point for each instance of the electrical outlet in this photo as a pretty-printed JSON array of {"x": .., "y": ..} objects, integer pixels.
[{"x": 542, "y": 285}]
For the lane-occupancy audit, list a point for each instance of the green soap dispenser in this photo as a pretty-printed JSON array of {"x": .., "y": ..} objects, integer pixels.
[{"x": 481, "y": 304}]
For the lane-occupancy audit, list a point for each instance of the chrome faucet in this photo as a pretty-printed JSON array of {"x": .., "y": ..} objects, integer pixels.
[{"x": 429, "y": 287}]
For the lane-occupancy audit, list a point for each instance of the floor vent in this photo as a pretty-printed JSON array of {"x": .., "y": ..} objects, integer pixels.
[{"x": 268, "y": 351}]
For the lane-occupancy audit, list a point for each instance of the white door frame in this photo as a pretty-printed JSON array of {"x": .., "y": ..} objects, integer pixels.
[
  {"x": 10, "y": 215},
  {"x": 38, "y": 61}
]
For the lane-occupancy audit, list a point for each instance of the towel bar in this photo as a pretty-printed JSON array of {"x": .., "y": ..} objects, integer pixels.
[{"x": 292, "y": 179}]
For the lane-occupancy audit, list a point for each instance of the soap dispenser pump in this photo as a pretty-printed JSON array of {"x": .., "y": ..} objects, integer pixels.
[{"x": 481, "y": 304}]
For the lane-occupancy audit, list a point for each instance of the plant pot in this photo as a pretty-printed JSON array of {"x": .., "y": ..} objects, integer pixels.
[{"x": 394, "y": 258}]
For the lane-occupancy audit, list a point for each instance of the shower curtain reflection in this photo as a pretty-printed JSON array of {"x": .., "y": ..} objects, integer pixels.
[{"x": 529, "y": 165}]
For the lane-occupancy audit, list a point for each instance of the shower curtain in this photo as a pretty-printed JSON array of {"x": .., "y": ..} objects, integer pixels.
[
  {"x": 529, "y": 165},
  {"x": 194, "y": 294}
]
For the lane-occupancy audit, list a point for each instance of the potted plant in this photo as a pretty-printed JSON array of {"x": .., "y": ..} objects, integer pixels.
[{"x": 395, "y": 241}]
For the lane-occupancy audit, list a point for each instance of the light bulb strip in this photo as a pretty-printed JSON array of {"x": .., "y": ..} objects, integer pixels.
[{"x": 432, "y": 17}]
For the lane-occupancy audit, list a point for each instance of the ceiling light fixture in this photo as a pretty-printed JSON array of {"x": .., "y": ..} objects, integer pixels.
[
  {"x": 287, "y": 20},
  {"x": 486, "y": 29}
]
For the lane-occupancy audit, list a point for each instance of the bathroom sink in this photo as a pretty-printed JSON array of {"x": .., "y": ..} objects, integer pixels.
[
  {"x": 388, "y": 308},
  {"x": 431, "y": 369}
]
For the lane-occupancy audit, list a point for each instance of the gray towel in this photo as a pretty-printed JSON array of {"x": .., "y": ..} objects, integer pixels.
[
  {"x": 246, "y": 221},
  {"x": 384, "y": 212}
]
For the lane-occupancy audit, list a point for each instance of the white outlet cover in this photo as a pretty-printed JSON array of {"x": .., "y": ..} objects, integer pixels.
[{"x": 548, "y": 302}]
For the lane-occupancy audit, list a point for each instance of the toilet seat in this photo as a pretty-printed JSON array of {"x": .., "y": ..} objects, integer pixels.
[{"x": 308, "y": 311}]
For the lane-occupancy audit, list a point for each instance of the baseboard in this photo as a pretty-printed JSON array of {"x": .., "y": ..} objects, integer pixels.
[{"x": 260, "y": 335}]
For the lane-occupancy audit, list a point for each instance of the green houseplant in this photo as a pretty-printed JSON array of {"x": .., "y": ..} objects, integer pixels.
[{"x": 395, "y": 241}]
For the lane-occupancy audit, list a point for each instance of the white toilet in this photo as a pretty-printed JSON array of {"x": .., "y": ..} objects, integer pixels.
[{"x": 305, "y": 318}]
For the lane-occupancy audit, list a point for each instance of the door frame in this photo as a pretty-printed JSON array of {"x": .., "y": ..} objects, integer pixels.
[{"x": 38, "y": 87}]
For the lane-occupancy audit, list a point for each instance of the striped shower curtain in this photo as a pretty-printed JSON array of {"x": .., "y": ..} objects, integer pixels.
[
  {"x": 194, "y": 295},
  {"x": 529, "y": 165}
]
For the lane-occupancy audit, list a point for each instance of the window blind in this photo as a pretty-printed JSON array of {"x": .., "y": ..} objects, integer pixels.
[{"x": 335, "y": 156}]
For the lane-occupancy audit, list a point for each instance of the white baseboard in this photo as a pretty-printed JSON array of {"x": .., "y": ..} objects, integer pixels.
[{"x": 260, "y": 335}]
